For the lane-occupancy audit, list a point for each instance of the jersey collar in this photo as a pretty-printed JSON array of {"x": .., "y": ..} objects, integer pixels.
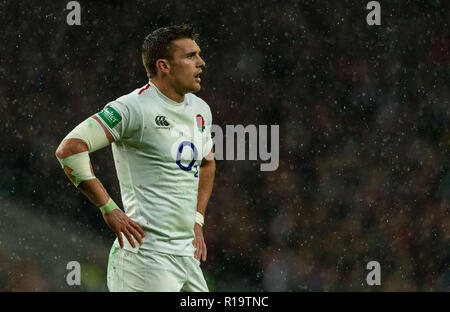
[{"x": 166, "y": 99}]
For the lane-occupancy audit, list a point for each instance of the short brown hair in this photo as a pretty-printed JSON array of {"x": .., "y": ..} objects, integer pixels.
[{"x": 157, "y": 44}]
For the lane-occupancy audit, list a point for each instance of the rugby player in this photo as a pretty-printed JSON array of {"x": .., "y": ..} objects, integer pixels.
[{"x": 163, "y": 154}]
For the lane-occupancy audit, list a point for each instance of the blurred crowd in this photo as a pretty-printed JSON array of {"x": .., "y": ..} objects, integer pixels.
[{"x": 363, "y": 112}]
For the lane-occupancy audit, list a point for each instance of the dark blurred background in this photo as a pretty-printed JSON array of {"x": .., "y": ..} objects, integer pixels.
[{"x": 364, "y": 140}]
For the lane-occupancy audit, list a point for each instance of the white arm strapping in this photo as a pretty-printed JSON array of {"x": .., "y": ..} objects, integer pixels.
[
  {"x": 81, "y": 169},
  {"x": 92, "y": 133},
  {"x": 199, "y": 218}
]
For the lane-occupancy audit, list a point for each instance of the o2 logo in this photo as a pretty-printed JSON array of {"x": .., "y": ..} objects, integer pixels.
[{"x": 191, "y": 164}]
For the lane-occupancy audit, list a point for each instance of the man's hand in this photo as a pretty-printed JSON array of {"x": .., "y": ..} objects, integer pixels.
[
  {"x": 199, "y": 243},
  {"x": 120, "y": 223}
]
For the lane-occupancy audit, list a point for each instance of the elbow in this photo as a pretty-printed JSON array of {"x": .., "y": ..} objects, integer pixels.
[
  {"x": 70, "y": 147},
  {"x": 59, "y": 151}
]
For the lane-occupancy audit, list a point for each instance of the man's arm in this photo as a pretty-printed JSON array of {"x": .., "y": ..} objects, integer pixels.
[
  {"x": 205, "y": 185},
  {"x": 91, "y": 187}
]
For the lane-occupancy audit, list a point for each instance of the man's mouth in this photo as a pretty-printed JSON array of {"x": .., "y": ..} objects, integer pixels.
[{"x": 197, "y": 77}]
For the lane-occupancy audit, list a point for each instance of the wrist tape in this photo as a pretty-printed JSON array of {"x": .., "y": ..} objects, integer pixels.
[
  {"x": 199, "y": 218},
  {"x": 109, "y": 206}
]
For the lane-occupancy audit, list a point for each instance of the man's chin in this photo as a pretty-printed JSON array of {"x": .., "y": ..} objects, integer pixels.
[{"x": 196, "y": 88}]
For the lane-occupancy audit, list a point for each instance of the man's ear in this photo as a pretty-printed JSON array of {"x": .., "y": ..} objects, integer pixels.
[{"x": 163, "y": 65}]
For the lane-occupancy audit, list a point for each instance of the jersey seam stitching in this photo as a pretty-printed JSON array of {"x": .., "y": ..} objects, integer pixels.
[{"x": 140, "y": 143}]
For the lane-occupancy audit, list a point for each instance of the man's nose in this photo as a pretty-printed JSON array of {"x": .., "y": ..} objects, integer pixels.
[{"x": 202, "y": 62}]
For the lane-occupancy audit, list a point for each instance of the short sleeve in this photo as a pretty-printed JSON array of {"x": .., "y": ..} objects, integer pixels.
[{"x": 118, "y": 119}]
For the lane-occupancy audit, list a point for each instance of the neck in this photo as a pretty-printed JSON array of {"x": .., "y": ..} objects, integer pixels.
[{"x": 165, "y": 88}]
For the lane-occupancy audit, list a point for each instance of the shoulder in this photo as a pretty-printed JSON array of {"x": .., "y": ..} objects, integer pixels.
[
  {"x": 129, "y": 103},
  {"x": 197, "y": 100},
  {"x": 199, "y": 103},
  {"x": 131, "y": 98}
]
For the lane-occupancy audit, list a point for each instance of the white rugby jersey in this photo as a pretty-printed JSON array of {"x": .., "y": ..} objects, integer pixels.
[{"x": 158, "y": 148}]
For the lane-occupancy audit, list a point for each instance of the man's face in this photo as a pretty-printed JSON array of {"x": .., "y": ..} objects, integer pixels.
[{"x": 185, "y": 66}]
